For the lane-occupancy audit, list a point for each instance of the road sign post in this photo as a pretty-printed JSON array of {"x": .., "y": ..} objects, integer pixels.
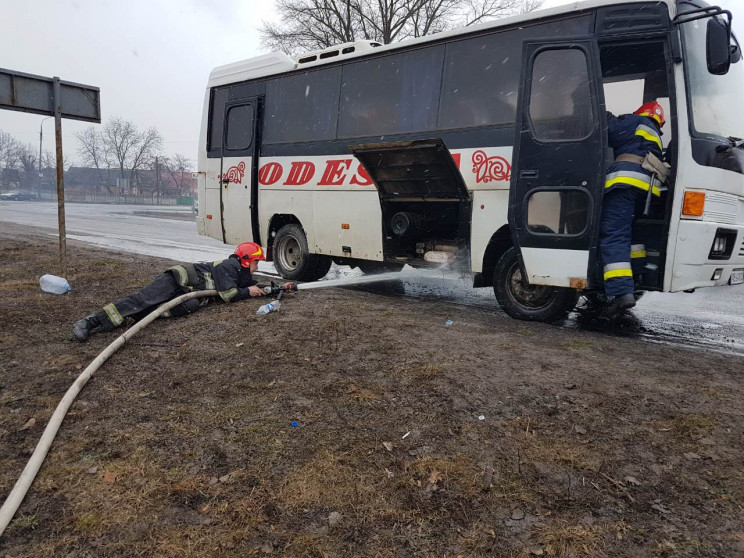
[{"x": 60, "y": 99}]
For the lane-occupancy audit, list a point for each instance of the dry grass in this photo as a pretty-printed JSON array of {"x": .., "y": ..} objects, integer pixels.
[
  {"x": 330, "y": 480},
  {"x": 547, "y": 448},
  {"x": 15, "y": 285},
  {"x": 182, "y": 446},
  {"x": 562, "y": 539},
  {"x": 689, "y": 426},
  {"x": 418, "y": 370}
]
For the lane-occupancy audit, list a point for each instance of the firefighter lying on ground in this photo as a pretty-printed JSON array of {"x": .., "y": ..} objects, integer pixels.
[
  {"x": 232, "y": 278},
  {"x": 636, "y": 141}
]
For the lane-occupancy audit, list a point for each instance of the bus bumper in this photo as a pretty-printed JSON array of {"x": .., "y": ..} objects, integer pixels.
[
  {"x": 694, "y": 268},
  {"x": 201, "y": 226}
]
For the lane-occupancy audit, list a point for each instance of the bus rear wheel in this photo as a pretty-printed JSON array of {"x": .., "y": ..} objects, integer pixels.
[
  {"x": 523, "y": 301},
  {"x": 293, "y": 259}
]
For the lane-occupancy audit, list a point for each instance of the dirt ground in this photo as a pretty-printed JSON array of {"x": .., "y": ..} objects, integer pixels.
[{"x": 488, "y": 437}]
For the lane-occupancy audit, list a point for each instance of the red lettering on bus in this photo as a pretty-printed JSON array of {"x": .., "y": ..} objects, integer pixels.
[
  {"x": 335, "y": 172},
  {"x": 270, "y": 173},
  {"x": 361, "y": 178},
  {"x": 300, "y": 173}
]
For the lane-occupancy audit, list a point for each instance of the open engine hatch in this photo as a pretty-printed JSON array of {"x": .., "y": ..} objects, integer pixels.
[{"x": 421, "y": 170}]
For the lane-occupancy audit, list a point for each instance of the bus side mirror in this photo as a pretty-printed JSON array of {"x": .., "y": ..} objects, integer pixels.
[
  {"x": 735, "y": 53},
  {"x": 718, "y": 47}
]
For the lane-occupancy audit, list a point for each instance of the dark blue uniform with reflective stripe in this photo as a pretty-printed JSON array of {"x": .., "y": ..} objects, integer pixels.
[
  {"x": 228, "y": 277},
  {"x": 626, "y": 187}
]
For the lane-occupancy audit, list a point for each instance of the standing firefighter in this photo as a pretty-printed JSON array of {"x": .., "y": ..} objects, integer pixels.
[
  {"x": 232, "y": 278},
  {"x": 636, "y": 141}
]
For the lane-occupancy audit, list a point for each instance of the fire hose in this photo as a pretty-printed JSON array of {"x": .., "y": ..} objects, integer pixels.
[{"x": 13, "y": 502}]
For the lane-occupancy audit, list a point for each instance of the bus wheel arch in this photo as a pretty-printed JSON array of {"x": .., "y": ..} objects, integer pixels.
[
  {"x": 523, "y": 301},
  {"x": 500, "y": 242},
  {"x": 291, "y": 254}
]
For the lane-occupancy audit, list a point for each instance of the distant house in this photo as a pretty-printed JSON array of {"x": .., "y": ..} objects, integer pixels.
[{"x": 85, "y": 179}]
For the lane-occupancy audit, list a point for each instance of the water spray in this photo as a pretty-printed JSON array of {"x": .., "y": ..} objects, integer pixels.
[{"x": 348, "y": 281}]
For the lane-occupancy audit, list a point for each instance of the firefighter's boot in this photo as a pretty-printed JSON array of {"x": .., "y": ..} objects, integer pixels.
[
  {"x": 83, "y": 328},
  {"x": 619, "y": 304}
]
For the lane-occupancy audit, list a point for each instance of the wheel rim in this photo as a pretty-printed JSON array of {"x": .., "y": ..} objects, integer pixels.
[
  {"x": 533, "y": 297},
  {"x": 289, "y": 253}
]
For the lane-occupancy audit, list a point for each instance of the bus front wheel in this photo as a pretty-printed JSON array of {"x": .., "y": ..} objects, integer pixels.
[
  {"x": 293, "y": 259},
  {"x": 523, "y": 301}
]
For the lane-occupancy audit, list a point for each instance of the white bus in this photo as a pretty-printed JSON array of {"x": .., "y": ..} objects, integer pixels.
[{"x": 487, "y": 146}]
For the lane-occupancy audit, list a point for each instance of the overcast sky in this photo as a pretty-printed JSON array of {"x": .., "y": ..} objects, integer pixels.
[{"x": 150, "y": 58}]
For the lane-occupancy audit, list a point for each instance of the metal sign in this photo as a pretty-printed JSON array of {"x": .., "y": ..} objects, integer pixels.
[
  {"x": 35, "y": 94},
  {"x": 51, "y": 97}
]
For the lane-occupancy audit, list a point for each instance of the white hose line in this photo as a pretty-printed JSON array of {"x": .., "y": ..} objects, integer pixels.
[{"x": 21, "y": 487}]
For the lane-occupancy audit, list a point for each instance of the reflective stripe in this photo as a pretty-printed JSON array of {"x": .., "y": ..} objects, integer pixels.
[
  {"x": 208, "y": 281},
  {"x": 227, "y": 295},
  {"x": 617, "y": 269},
  {"x": 618, "y": 273},
  {"x": 218, "y": 262},
  {"x": 637, "y": 251},
  {"x": 616, "y": 265},
  {"x": 183, "y": 276},
  {"x": 636, "y": 179},
  {"x": 113, "y": 314},
  {"x": 649, "y": 134}
]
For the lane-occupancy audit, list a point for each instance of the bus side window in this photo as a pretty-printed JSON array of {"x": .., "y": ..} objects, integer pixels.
[
  {"x": 302, "y": 107},
  {"x": 239, "y": 128},
  {"x": 395, "y": 94},
  {"x": 564, "y": 212},
  {"x": 560, "y": 95},
  {"x": 623, "y": 97},
  {"x": 216, "y": 120}
]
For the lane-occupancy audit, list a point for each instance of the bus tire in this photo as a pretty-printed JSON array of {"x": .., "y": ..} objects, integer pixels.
[
  {"x": 293, "y": 259},
  {"x": 529, "y": 302},
  {"x": 373, "y": 268}
]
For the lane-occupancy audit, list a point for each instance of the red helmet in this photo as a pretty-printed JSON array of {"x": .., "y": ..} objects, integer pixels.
[
  {"x": 652, "y": 110},
  {"x": 249, "y": 251}
]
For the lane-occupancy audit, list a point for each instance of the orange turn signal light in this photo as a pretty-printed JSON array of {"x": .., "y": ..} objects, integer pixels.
[
  {"x": 345, "y": 226},
  {"x": 209, "y": 215},
  {"x": 694, "y": 204}
]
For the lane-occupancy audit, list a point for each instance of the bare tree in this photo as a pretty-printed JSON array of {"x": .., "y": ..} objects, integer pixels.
[
  {"x": 128, "y": 148},
  {"x": 8, "y": 158},
  {"x": 93, "y": 154},
  {"x": 121, "y": 147},
  {"x": 29, "y": 164},
  {"x": 49, "y": 160},
  {"x": 307, "y": 25},
  {"x": 178, "y": 168}
]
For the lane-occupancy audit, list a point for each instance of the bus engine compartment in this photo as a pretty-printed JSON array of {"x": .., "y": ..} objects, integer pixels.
[{"x": 425, "y": 205}]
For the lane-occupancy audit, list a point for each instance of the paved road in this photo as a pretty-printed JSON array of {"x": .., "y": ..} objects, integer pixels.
[
  {"x": 123, "y": 227},
  {"x": 710, "y": 318}
]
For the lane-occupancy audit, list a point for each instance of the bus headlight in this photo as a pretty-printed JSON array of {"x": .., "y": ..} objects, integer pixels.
[
  {"x": 723, "y": 244},
  {"x": 719, "y": 245}
]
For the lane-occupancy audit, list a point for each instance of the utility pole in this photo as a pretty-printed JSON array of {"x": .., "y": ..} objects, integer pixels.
[
  {"x": 157, "y": 178},
  {"x": 41, "y": 140}
]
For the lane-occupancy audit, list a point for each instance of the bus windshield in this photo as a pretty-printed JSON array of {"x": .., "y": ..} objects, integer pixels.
[{"x": 717, "y": 107}]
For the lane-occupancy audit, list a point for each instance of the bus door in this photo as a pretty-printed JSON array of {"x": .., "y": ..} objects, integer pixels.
[
  {"x": 559, "y": 162},
  {"x": 239, "y": 171}
]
